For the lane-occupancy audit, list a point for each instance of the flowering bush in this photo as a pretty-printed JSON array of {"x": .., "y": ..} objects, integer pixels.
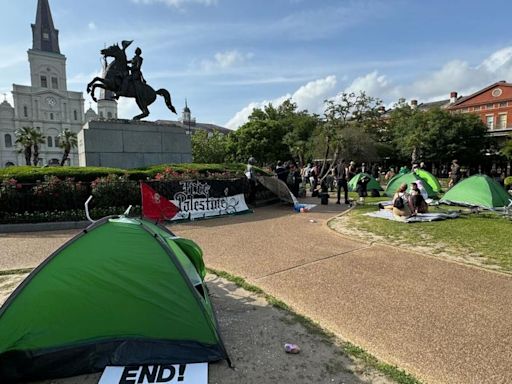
[
  {"x": 115, "y": 191},
  {"x": 10, "y": 196},
  {"x": 56, "y": 194},
  {"x": 169, "y": 174}
]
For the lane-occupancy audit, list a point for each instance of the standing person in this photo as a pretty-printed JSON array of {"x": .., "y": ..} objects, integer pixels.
[
  {"x": 375, "y": 171},
  {"x": 293, "y": 179},
  {"x": 362, "y": 188},
  {"x": 351, "y": 170},
  {"x": 314, "y": 176},
  {"x": 455, "y": 173},
  {"x": 364, "y": 168},
  {"x": 281, "y": 171},
  {"x": 341, "y": 180},
  {"x": 251, "y": 176},
  {"x": 306, "y": 172}
]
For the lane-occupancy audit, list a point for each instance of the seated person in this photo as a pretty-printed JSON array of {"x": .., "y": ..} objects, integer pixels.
[
  {"x": 416, "y": 200},
  {"x": 401, "y": 206}
]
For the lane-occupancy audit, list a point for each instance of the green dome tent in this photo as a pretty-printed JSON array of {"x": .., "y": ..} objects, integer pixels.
[
  {"x": 373, "y": 184},
  {"x": 122, "y": 292},
  {"x": 430, "y": 179},
  {"x": 407, "y": 178},
  {"x": 478, "y": 191}
]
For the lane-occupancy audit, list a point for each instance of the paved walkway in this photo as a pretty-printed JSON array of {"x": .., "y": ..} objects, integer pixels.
[{"x": 442, "y": 321}]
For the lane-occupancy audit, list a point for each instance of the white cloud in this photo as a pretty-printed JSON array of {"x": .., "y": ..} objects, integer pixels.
[
  {"x": 176, "y": 3},
  {"x": 92, "y": 25},
  {"x": 224, "y": 60},
  {"x": 455, "y": 75},
  {"x": 310, "y": 96}
]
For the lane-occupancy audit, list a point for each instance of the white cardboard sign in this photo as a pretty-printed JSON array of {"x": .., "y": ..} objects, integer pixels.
[{"x": 156, "y": 374}]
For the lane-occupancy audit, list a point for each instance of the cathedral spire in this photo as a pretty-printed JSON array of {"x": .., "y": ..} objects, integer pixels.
[{"x": 44, "y": 35}]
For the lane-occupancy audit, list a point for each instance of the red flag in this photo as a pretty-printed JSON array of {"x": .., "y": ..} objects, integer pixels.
[{"x": 155, "y": 206}]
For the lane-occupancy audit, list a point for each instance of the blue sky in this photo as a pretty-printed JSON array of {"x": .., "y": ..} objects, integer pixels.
[{"x": 228, "y": 56}]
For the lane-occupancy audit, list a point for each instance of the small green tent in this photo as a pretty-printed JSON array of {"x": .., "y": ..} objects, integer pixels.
[
  {"x": 478, "y": 191},
  {"x": 430, "y": 179},
  {"x": 123, "y": 292},
  {"x": 407, "y": 178},
  {"x": 373, "y": 184}
]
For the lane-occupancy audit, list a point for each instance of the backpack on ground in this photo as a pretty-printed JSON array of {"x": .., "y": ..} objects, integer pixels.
[{"x": 398, "y": 203}]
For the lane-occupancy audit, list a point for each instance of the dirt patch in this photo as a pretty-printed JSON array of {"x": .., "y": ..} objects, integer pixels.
[
  {"x": 346, "y": 225},
  {"x": 255, "y": 333}
]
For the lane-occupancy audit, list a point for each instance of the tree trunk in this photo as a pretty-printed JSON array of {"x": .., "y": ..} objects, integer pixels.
[
  {"x": 28, "y": 154},
  {"x": 64, "y": 157},
  {"x": 327, "y": 147},
  {"x": 413, "y": 156},
  {"x": 35, "y": 159}
]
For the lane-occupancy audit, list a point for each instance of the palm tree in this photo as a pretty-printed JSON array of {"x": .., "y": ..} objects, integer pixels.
[
  {"x": 24, "y": 139},
  {"x": 67, "y": 141},
  {"x": 37, "y": 138}
]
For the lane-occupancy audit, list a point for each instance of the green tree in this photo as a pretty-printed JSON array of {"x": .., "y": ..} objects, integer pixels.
[
  {"x": 273, "y": 134},
  {"x": 350, "y": 118},
  {"x": 213, "y": 149},
  {"x": 37, "y": 138},
  {"x": 437, "y": 135},
  {"x": 67, "y": 141},
  {"x": 24, "y": 140},
  {"x": 506, "y": 150},
  {"x": 28, "y": 139}
]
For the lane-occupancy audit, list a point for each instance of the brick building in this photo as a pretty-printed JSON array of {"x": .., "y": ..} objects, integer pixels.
[{"x": 494, "y": 106}]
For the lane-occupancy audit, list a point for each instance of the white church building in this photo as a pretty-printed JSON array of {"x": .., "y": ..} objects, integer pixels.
[{"x": 46, "y": 104}]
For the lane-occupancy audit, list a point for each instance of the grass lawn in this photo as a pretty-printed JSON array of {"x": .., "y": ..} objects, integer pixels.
[{"x": 485, "y": 236}]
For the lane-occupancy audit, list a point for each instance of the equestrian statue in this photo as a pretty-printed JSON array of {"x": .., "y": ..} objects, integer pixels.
[{"x": 124, "y": 78}]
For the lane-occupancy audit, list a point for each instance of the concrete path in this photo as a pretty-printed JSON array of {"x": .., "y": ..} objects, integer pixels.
[{"x": 442, "y": 321}]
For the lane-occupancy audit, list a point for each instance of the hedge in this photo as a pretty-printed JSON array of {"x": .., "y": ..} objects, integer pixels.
[{"x": 28, "y": 174}]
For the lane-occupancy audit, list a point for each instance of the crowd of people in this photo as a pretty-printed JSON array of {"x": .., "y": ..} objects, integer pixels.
[{"x": 317, "y": 178}]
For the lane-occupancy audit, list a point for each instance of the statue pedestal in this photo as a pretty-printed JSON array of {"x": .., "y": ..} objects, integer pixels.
[{"x": 132, "y": 144}]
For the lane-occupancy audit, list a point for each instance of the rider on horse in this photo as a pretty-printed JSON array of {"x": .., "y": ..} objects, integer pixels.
[{"x": 135, "y": 74}]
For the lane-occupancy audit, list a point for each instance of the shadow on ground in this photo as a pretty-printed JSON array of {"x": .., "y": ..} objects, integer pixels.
[{"x": 255, "y": 333}]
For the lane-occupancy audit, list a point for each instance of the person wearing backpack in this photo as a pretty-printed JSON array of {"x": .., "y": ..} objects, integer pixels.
[{"x": 401, "y": 202}]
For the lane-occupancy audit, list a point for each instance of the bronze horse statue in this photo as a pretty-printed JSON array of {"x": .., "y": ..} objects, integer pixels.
[{"x": 116, "y": 72}]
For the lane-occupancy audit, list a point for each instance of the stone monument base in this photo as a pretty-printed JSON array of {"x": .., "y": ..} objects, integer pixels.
[{"x": 132, "y": 144}]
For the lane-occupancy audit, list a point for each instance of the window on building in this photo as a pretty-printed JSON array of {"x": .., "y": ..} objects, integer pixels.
[
  {"x": 46, "y": 36},
  {"x": 503, "y": 104},
  {"x": 489, "y": 106},
  {"x": 109, "y": 115},
  {"x": 502, "y": 121},
  {"x": 101, "y": 114},
  {"x": 8, "y": 140},
  {"x": 490, "y": 121},
  {"x": 51, "y": 115},
  {"x": 55, "y": 83},
  {"x": 75, "y": 114},
  {"x": 465, "y": 110},
  {"x": 25, "y": 111},
  {"x": 477, "y": 108},
  {"x": 44, "y": 82},
  {"x": 57, "y": 141},
  {"x": 50, "y": 141}
]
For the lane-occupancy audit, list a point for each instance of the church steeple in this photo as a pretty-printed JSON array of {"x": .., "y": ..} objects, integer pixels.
[{"x": 44, "y": 35}]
